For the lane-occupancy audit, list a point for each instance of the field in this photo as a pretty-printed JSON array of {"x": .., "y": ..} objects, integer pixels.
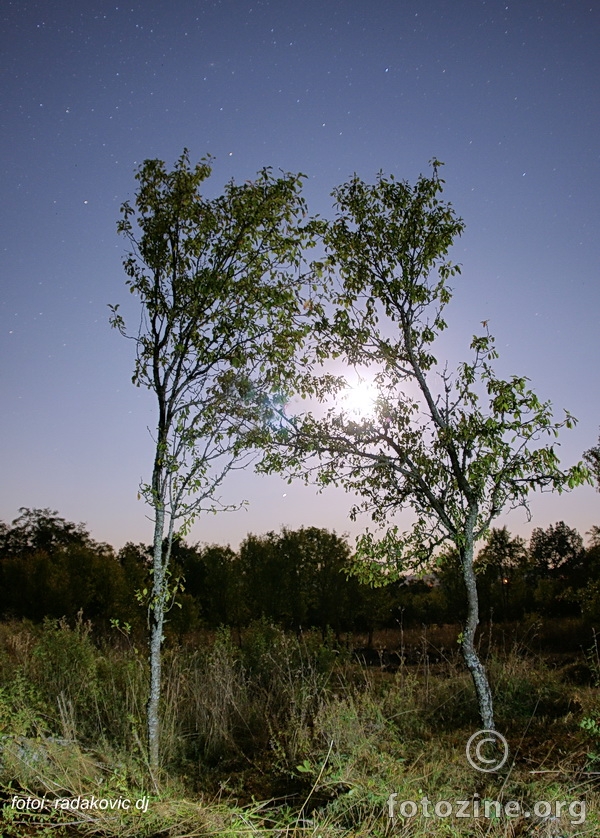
[{"x": 274, "y": 734}]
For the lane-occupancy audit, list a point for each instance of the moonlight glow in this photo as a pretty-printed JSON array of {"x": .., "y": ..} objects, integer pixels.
[{"x": 359, "y": 398}]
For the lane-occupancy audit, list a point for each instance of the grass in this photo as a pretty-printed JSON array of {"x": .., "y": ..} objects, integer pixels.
[{"x": 286, "y": 736}]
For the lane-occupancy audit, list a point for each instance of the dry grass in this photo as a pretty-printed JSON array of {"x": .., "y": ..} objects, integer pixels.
[{"x": 320, "y": 739}]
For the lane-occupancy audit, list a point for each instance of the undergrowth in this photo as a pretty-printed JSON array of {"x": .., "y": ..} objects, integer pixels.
[{"x": 283, "y": 736}]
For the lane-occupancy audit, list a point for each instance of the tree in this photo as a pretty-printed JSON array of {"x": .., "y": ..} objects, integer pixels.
[
  {"x": 588, "y": 594},
  {"x": 297, "y": 578},
  {"x": 499, "y": 565},
  {"x": 222, "y": 313},
  {"x": 50, "y": 567},
  {"x": 456, "y": 448},
  {"x": 556, "y": 550},
  {"x": 215, "y": 580},
  {"x": 40, "y": 529},
  {"x": 501, "y": 553},
  {"x": 594, "y": 534},
  {"x": 592, "y": 459},
  {"x": 557, "y": 568}
]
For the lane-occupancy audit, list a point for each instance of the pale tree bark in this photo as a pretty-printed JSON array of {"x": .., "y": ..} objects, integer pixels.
[
  {"x": 159, "y": 597},
  {"x": 470, "y": 656},
  {"x": 156, "y": 618}
]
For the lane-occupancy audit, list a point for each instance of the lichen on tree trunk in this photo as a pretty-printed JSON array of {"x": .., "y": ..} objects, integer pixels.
[
  {"x": 156, "y": 619},
  {"x": 470, "y": 656}
]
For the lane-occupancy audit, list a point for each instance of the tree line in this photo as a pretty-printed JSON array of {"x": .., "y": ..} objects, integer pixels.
[{"x": 298, "y": 579}]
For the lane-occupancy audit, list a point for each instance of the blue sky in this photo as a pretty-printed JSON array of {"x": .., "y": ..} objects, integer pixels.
[{"x": 506, "y": 94}]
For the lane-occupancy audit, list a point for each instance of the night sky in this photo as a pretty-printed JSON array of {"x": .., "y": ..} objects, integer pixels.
[{"x": 506, "y": 94}]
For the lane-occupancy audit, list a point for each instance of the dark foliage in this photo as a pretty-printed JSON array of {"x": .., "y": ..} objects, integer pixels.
[{"x": 299, "y": 580}]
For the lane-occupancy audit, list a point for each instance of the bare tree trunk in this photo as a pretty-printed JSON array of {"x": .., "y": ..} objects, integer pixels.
[
  {"x": 157, "y": 613},
  {"x": 471, "y": 658}
]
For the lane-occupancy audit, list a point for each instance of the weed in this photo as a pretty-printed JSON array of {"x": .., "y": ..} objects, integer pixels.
[{"x": 289, "y": 720}]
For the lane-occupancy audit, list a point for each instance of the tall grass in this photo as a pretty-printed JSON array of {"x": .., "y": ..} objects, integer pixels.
[{"x": 282, "y": 719}]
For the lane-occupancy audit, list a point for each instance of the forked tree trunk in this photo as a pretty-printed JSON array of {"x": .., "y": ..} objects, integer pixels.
[{"x": 471, "y": 658}]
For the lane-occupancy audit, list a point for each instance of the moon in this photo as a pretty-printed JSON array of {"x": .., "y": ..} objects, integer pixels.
[{"x": 359, "y": 398}]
